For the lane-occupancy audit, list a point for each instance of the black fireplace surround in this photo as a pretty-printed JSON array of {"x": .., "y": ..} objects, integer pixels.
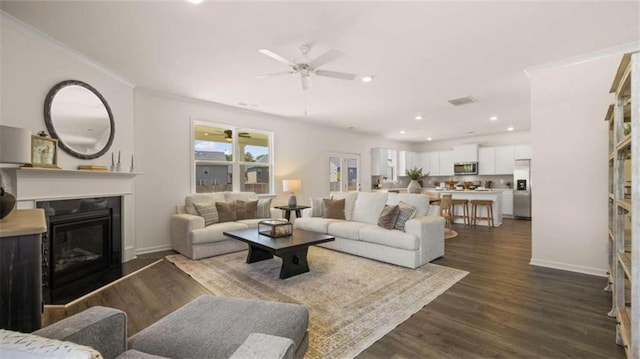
[{"x": 82, "y": 249}]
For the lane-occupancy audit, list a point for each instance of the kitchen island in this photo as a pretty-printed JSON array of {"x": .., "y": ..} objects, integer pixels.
[{"x": 494, "y": 195}]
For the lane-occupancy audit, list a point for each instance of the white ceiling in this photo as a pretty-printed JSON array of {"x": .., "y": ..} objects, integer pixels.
[{"x": 420, "y": 53}]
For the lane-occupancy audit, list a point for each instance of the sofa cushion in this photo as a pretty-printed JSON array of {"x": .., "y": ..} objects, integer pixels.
[
  {"x": 349, "y": 202},
  {"x": 213, "y": 233},
  {"x": 391, "y": 238},
  {"x": 202, "y": 198},
  {"x": 406, "y": 212},
  {"x": 226, "y": 211},
  {"x": 208, "y": 212},
  {"x": 346, "y": 229},
  {"x": 388, "y": 216},
  {"x": 240, "y": 196},
  {"x": 315, "y": 224},
  {"x": 333, "y": 208},
  {"x": 368, "y": 207},
  {"x": 22, "y": 345},
  {"x": 246, "y": 209},
  {"x": 216, "y": 326},
  {"x": 420, "y": 201},
  {"x": 264, "y": 208}
]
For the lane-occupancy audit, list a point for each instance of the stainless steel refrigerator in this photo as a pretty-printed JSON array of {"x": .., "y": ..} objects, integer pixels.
[{"x": 522, "y": 190}]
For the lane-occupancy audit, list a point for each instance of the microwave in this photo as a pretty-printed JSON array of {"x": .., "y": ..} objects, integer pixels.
[{"x": 465, "y": 168}]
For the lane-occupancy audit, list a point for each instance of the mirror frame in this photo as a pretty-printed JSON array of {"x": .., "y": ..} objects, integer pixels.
[{"x": 51, "y": 128}]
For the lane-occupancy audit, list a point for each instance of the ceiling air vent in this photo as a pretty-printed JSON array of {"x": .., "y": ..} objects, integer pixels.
[{"x": 462, "y": 101}]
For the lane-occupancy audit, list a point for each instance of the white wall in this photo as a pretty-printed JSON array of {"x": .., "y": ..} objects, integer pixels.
[
  {"x": 569, "y": 135},
  {"x": 162, "y": 147},
  {"x": 499, "y": 139}
]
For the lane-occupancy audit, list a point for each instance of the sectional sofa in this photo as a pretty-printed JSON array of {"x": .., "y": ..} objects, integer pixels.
[{"x": 421, "y": 241}]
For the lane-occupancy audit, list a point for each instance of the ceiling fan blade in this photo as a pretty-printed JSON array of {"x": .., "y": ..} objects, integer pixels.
[
  {"x": 336, "y": 75},
  {"x": 275, "y": 74},
  {"x": 276, "y": 57},
  {"x": 306, "y": 82},
  {"x": 330, "y": 55}
]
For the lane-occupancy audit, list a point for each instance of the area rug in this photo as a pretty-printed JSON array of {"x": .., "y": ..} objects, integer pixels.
[{"x": 352, "y": 301}]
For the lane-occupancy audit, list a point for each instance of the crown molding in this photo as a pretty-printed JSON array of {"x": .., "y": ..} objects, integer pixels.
[
  {"x": 19, "y": 25},
  {"x": 591, "y": 56}
]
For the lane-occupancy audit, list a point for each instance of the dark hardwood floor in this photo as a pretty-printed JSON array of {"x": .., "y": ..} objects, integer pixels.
[{"x": 504, "y": 308}]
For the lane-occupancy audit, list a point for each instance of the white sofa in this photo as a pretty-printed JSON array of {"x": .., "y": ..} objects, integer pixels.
[
  {"x": 421, "y": 242},
  {"x": 192, "y": 238}
]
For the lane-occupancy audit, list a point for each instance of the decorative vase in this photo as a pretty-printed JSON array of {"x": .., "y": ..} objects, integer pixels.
[
  {"x": 414, "y": 187},
  {"x": 7, "y": 202}
]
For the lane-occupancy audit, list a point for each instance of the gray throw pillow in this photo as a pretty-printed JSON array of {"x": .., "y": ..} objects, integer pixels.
[
  {"x": 208, "y": 212},
  {"x": 247, "y": 210},
  {"x": 226, "y": 211},
  {"x": 388, "y": 216},
  {"x": 264, "y": 208},
  {"x": 407, "y": 212},
  {"x": 333, "y": 208}
]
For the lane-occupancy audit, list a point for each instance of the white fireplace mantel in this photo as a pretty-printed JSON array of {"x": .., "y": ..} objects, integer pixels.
[{"x": 32, "y": 185}]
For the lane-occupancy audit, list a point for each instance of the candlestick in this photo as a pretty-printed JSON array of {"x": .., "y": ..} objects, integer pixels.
[
  {"x": 113, "y": 163},
  {"x": 131, "y": 169},
  {"x": 119, "y": 165}
]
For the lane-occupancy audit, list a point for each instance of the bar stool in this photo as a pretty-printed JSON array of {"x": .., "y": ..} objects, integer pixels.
[
  {"x": 465, "y": 210},
  {"x": 445, "y": 209},
  {"x": 475, "y": 203}
]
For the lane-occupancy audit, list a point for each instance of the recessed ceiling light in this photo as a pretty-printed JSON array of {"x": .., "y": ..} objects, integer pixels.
[
  {"x": 493, "y": 118},
  {"x": 429, "y": 138},
  {"x": 366, "y": 78},
  {"x": 195, "y": 1},
  {"x": 418, "y": 117},
  {"x": 510, "y": 128},
  {"x": 402, "y": 132}
]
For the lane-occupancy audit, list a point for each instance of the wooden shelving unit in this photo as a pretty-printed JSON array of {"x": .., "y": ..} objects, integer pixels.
[{"x": 624, "y": 204}]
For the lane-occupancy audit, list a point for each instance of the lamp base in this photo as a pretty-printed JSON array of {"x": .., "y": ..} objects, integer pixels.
[
  {"x": 7, "y": 202},
  {"x": 292, "y": 201}
]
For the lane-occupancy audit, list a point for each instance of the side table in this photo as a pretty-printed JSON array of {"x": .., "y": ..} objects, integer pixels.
[{"x": 287, "y": 211}]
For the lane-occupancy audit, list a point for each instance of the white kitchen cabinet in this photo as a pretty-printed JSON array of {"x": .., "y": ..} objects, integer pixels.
[
  {"x": 406, "y": 161},
  {"x": 378, "y": 161},
  {"x": 507, "y": 202},
  {"x": 486, "y": 161},
  {"x": 445, "y": 159},
  {"x": 522, "y": 152},
  {"x": 430, "y": 162},
  {"x": 465, "y": 153},
  {"x": 504, "y": 160}
]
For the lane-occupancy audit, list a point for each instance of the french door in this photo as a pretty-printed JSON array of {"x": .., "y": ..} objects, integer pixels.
[{"x": 344, "y": 172}]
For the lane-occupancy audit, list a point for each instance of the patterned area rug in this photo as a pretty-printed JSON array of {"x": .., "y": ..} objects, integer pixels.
[{"x": 352, "y": 301}]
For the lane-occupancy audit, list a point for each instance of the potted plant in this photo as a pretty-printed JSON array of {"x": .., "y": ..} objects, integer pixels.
[{"x": 415, "y": 174}]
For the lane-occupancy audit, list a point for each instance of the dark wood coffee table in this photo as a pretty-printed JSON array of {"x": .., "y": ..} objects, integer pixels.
[{"x": 292, "y": 249}]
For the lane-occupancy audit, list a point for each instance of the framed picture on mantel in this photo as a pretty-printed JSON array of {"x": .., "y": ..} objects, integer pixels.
[{"x": 44, "y": 152}]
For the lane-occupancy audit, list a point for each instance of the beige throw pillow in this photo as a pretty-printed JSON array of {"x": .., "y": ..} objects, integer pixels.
[
  {"x": 388, "y": 216},
  {"x": 208, "y": 212},
  {"x": 247, "y": 210},
  {"x": 264, "y": 208},
  {"x": 333, "y": 208},
  {"x": 226, "y": 212}
]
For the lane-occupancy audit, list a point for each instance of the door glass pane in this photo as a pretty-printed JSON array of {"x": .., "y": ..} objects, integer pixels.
[
  {"x": 334, "y": 174},
  {"x": 352, "y": 174},
  {"x": 254, "y": 179},
  {"x": 213, "y": 178},
  {"x": 213, "y": 143},
  {"x": 254, "y": 147}
]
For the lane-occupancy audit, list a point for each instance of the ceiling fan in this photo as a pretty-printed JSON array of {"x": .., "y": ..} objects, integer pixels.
[
  {"x": 306, "y": 66},
  {"x": 228, "y": 138}
]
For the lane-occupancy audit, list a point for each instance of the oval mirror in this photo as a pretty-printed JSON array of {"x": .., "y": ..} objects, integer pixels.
[{"x": 80, "y": 118}]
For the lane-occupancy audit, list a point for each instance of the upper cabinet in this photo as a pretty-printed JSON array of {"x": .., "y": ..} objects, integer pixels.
[
  {"x": 465, "y": 153},
  {"x": 487, "y": 161},
  {"x": 383, "y": 162},
  {"x": 407, "y": 160},
  {"x": 522, "y": 152},
  {"x": 504, "y": 160},
  {"x": 445, "y": 163},
  {"x": 496, "y": 160}
]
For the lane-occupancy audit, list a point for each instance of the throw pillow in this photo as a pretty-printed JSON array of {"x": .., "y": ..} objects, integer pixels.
[
  {"x": 208, "y": 212},
  {"x": 388, "y": 216},
  {"x": 247, "y": 210},
  {"x": 317, "y": 207},
  {"x": 264, "y": 208},
  {"x": 333, "y": 208},
  {"x": 226, "y": 211},
  {"x": 406, "y": 212}
]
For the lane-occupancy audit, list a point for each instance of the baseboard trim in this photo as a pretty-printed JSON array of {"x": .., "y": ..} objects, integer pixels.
[
  {"x": 569, "y": 267},
  {"x": 163, "y": 247}
]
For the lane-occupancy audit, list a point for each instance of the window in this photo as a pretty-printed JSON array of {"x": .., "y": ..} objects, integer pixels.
[{"x": 227, "y": 158}]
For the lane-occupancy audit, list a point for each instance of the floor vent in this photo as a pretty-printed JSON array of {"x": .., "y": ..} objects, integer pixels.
[{"x": 462, "y": 101}]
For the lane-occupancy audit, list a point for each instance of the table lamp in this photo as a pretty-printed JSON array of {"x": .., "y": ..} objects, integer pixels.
[
  {"x": 15, "y": 145},
  {"x": 292, "y": 186}
]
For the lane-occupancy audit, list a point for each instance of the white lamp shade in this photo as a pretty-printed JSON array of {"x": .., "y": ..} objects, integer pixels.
[
  {"x": 291, "y": 185},
  {"x": 15, "y": 145}
]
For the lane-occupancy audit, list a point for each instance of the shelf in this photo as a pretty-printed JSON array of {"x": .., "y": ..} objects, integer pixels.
[
  {"x": 624, "y": 328},
  {"x": 625, "y": 262},
  {"x": 625, "y": 204},
  {"x": 624, "y": 143}
]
